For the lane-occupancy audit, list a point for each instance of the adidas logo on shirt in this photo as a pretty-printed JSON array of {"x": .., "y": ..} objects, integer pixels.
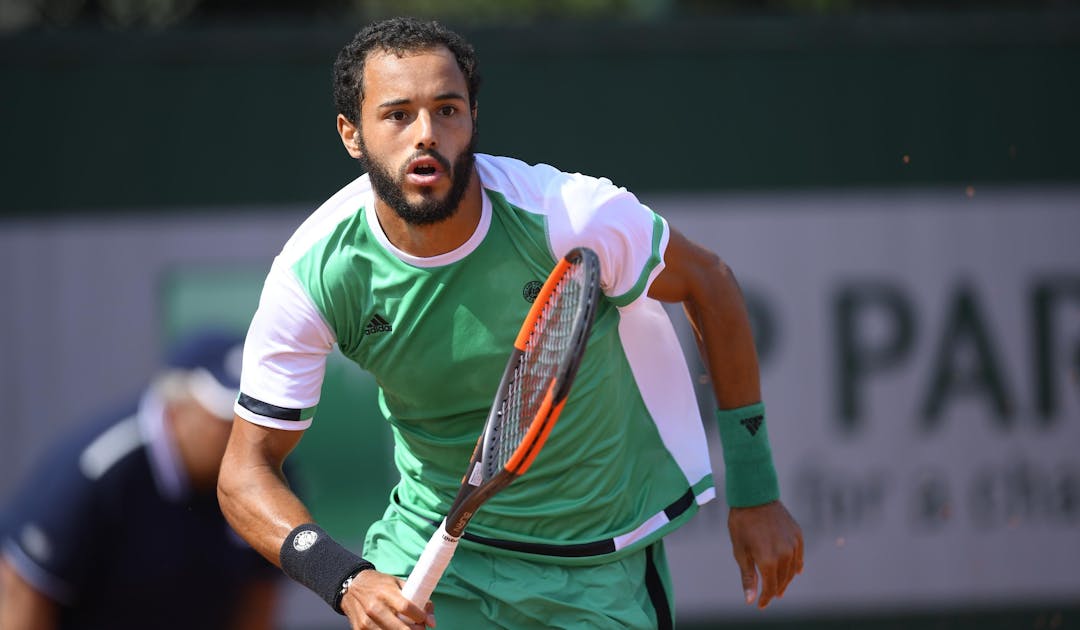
[{"x": 377, "y": 325}]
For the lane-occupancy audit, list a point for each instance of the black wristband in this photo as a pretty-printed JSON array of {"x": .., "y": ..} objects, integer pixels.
[{"x": 311, "y": 557}]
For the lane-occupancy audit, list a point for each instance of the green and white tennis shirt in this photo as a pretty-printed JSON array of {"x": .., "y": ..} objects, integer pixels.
[{"x": 627, "y": 461}]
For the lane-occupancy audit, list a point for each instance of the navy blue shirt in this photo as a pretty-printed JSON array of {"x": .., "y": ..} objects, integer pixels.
[{"x": 107, "y": 528}]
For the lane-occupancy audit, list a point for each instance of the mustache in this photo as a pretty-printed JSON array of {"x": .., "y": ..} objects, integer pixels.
[{"x": 431, "y": 153}]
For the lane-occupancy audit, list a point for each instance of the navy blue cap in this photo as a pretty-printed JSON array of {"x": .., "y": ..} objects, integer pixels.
[{"x": 213, "y": 357}]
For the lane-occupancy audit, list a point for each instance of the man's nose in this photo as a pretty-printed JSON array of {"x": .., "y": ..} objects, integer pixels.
[{"x": 425, "y": 131}]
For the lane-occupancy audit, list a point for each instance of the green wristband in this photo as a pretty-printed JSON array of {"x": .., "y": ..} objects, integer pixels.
[{"x": 749, "y": 475}]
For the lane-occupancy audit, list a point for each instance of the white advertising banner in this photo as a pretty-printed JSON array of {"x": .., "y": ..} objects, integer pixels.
[{"x": 921, "y": 371}]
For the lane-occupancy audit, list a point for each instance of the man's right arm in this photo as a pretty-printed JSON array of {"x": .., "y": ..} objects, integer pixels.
[
  {"x": 252, "y": 491},
  {"x": 260, "y": 506}
]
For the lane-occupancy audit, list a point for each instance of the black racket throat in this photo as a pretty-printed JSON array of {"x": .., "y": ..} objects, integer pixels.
[{"x": 483, "y": 478}]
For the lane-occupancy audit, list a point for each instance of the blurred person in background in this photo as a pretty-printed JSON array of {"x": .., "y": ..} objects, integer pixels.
[{"x": 119, "y": 525}]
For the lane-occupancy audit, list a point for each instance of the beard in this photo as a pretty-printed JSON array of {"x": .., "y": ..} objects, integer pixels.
[{"x": 430, "y": 209}]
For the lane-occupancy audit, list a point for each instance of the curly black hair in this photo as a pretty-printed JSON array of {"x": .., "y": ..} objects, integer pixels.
[{"x": 398, "y": 35}]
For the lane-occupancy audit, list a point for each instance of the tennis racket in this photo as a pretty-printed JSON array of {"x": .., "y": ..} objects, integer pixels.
[{"x": 531, "y": 394}]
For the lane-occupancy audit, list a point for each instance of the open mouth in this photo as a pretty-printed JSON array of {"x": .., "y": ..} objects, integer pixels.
[
  {"x": 424, "y": 171},
  {"x": 426, "y": 166}
]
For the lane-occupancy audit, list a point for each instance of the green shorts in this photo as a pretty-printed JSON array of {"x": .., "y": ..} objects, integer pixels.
[{"x": 485, "y": 590}]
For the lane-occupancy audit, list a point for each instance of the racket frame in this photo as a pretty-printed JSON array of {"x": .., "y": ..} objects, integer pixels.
[{"x": 475, "y": 487}]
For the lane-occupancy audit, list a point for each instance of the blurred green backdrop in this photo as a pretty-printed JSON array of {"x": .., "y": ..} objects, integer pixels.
[{"x": 241, "y": 112}]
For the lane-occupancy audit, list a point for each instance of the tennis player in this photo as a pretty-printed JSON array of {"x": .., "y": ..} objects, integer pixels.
[{"x": 421, "y": 271}]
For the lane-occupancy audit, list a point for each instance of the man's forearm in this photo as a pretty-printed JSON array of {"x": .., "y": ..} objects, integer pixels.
[
  {"x": 725, "y": 339},
  {"x": 253, "y": 493},
  {"x": 262, "y": 509},
  {"x": 705, "y": 286}
]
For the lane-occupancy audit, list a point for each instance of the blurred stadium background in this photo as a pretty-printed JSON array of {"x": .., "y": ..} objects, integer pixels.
[{"x": 897, "y": 185}]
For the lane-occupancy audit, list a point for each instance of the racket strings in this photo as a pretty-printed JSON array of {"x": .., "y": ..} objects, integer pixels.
[{"x": 548, "y": 343}]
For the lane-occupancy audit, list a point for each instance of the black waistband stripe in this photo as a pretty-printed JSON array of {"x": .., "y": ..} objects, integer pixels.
[{"x": 579, "y": 550}]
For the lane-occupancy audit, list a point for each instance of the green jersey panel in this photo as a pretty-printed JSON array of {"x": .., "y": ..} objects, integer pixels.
[{"x": 436, "y": 335}]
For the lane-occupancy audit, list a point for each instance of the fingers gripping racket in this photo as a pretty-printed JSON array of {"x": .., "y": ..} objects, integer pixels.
[{"x": 531, "y": 394}]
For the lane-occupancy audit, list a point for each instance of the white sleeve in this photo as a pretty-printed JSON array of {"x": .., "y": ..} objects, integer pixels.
[
  {"x": 628, "y": 237},
  {"x": 284, "y": 355}
]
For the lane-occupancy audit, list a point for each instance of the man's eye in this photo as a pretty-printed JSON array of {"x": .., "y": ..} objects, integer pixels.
[
  {"x": 447, "y": 110},
  {"x": 397, "y": 115}
]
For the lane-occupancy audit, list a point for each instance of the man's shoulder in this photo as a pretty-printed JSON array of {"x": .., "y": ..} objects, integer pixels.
[
  {"x": 101, "y": 456},
  {"x": 115, "y": 452},
  {"x": 498, "y": 169},
  {"x": 537, "y": 185},
  {"x": 347, "y": 204},
  {"x": 350, "y": 196},
  {"x": 114, "y": 430},
  {"x": 79, "y": 468}
]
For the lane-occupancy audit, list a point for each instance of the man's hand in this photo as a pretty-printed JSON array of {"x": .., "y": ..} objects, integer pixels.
[
  {"x": 374, "y": 600},
  {"x": 765, "y": 539}
]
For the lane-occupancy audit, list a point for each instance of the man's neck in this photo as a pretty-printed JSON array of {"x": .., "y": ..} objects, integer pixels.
[{"x": 425, "y": 241}]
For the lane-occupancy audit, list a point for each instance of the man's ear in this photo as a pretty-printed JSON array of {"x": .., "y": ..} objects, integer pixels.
[{"x": 350, "y": 136}]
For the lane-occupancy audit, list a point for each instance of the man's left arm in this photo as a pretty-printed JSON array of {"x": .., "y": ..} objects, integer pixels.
[{"x": 765, "y": 538}]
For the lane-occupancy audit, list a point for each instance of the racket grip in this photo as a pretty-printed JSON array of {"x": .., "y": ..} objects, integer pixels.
[{"x": 430, "y": 567}]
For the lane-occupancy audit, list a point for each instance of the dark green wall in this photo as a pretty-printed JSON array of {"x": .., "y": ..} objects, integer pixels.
[{"x": 100, "y": 120}]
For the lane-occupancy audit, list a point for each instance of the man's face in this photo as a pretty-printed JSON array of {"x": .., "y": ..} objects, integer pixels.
[{"x": 417, "y": 133}]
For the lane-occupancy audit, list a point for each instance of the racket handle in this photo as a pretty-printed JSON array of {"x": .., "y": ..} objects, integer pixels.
[{"x": 430, "y": 567}]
